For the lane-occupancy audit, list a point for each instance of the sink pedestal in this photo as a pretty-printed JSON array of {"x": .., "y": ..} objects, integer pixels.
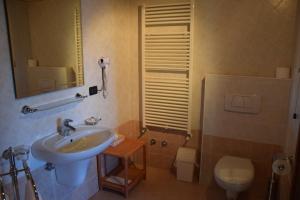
[{"x": 72, "y": 174}]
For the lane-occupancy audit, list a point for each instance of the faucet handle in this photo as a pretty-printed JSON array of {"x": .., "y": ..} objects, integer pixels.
[{"x": 67, "y": 121}]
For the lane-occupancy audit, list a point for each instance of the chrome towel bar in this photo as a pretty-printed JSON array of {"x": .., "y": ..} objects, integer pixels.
[{"x": 32, "y": 109}]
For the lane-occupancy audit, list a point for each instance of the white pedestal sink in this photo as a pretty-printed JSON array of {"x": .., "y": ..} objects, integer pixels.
[{"x": 71, "y": 154}]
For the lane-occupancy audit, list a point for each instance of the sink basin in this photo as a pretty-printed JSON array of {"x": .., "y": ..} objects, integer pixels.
[
  {"x": 71, "y": 154},
  {"x": 84, "y": 143}
]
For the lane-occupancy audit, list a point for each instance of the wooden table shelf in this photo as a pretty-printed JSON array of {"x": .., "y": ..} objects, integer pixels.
[{"x": 125, "y": 169}]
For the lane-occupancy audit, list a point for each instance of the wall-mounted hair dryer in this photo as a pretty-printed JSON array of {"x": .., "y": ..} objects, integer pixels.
[{"x": 104, "y": 62}]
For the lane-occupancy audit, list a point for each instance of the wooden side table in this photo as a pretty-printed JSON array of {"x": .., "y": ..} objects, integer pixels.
[{"x": 125, "y": 170}]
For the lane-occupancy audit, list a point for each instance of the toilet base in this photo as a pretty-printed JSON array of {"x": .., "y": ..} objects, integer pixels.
[{"x": 231, "y": 195}]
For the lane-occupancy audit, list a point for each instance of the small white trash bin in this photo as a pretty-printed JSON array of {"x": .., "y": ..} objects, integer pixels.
[{"x": 185, "y": 163}]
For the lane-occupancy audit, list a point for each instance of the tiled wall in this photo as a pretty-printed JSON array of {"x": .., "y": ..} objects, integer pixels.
[
  {"x": 110, "y": 28},
  {"x": 105, "y": 33},
  {"x": 17, "y": 129},
  {"x": 51, "y": 190},
  {"x": 157, "y": 155},
  {"x": 253, "y": 136},
  {"x": 265, "y": 42},
  {"x": 248, "y": 37}
]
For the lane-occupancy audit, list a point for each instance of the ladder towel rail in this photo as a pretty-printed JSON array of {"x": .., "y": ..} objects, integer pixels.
[
  {"x": 167, "y": 33},
  {"x": 11, "y": 154}
]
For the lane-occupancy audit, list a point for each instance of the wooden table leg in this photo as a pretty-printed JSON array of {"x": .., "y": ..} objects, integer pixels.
[
  {"x": 126, "y": 176},
  {"x": 144, "y": 161},
  {"x": 99, "y": 171},
  {"x": 104, "y": 165}
]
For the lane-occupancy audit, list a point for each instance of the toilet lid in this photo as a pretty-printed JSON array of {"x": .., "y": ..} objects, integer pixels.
[{"x": 234, "y": 170}]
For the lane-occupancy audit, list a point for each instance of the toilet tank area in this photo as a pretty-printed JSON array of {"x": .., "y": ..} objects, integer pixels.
[{"x": 245, "y": 117}]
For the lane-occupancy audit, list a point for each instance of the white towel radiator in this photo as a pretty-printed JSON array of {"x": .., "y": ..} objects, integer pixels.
[{"x": 167, "y": 36}]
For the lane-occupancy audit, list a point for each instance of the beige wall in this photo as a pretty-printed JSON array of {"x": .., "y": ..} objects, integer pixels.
[
  {"x": 293, "y": 124},
  {"x": 105, "y": 25},
  {"x": 106, "y": 32},
  {"x": 250, "y": 37},
  {"x": 268, "y": 126}
]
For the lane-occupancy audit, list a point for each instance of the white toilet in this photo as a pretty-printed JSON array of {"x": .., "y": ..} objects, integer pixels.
[{"x": 234, "y": 174}]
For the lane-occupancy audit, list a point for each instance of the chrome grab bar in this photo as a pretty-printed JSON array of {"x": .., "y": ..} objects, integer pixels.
[
  {"x": 2, "y": 193},
  {"x": 11, "y": 154},
  {"x": 8, "y": 154},
  {"x": 29, "y": 178}
]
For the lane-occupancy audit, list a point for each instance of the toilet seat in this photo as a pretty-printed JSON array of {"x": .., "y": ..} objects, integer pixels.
[{"x": 234, "y": 170}]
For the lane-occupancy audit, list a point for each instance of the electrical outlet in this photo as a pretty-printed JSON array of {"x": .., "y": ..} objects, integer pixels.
[{"x": 93, "y": 90}]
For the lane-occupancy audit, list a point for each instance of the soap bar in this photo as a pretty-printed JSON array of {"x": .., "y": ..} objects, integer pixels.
[
  {"x": 91, "y": 121},
  {"x": 118, "y": 140}
]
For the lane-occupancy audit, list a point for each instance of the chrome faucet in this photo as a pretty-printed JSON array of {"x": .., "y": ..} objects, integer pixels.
[{"x": 65, "y": 128}]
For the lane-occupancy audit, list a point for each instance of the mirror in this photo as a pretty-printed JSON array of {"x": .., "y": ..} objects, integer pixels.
[{"x": 45, "y": 43}]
